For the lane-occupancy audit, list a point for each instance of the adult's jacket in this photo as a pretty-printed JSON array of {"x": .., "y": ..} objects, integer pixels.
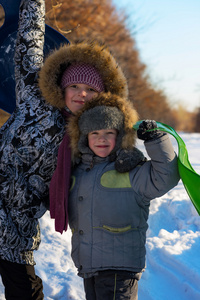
[{"x": 29, "y": 143}]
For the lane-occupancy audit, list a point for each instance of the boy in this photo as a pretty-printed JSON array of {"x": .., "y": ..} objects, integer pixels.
[{"x": 108, "y": 210}]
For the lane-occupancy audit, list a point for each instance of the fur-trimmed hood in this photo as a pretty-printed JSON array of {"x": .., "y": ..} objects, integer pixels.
[
  {"x": 108, "y": 100},
  {"x": 88, "y": 53}
]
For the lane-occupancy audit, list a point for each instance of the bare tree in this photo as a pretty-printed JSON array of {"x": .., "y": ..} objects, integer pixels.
[{"x": 98, "y": 19}]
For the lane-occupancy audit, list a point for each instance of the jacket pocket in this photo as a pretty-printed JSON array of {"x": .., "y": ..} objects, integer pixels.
[
  {"x": 116, "y": 247},
  {"x": 117, "y": 230}
]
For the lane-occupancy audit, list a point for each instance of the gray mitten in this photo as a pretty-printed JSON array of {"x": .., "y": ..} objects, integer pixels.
[
  {"x": 145, "y": 135},
  {"x": 128, "y": 159}
]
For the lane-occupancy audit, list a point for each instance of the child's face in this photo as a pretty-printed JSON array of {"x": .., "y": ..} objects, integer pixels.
[
  {"x": 103, "y": 141},
  {"x": 77, "y": 94}
]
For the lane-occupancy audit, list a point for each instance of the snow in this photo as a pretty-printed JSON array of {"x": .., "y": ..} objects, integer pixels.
[{"x": 173, "y": 239}]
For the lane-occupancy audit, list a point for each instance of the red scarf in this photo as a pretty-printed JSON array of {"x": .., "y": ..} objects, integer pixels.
[{"x": 60, "y": 184}]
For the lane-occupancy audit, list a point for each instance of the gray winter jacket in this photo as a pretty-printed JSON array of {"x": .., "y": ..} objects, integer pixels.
[{"x": 108, "y": 211}]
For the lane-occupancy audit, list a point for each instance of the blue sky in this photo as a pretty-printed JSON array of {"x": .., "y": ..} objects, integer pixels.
[{"x": 167, "y": 33}]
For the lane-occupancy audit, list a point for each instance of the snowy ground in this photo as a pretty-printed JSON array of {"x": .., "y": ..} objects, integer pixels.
[{"x": 173, "y": 239}]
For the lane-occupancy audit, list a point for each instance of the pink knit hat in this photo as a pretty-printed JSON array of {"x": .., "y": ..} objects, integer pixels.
[{"x": 82, "y": 73}]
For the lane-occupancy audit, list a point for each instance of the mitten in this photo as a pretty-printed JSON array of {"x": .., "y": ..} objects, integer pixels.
[
  {"x": 128, "y": 159},
  {"x": 145, "y": 135}
]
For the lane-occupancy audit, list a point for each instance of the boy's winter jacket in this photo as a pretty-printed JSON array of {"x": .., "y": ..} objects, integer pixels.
[{"x": 108, "y": 211}]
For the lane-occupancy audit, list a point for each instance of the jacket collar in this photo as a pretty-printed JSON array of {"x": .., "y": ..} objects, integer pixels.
[{"x": 91, "y": 159}]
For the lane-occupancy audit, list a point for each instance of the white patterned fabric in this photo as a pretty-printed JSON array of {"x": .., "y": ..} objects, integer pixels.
[{"x": 29, "y": 143}]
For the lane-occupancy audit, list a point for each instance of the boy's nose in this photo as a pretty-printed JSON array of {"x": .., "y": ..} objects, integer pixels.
[{"x": 102, "y": 137}]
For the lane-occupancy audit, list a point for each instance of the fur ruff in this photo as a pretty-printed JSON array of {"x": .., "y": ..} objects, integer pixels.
[
  {"x": 89, "y": 53},
  {"x": 105, "y": 99}
]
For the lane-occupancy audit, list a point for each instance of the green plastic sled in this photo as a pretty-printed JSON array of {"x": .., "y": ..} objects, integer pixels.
[{"x": 190, "y": 178}]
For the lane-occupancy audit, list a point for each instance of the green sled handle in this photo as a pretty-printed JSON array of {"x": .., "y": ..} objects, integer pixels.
[{"x": 190, "y": 179}]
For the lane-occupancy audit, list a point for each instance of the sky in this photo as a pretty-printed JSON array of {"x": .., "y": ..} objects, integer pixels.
[
  {"x": 172, "y": 259},
  {"x": 167, "y": 37}
]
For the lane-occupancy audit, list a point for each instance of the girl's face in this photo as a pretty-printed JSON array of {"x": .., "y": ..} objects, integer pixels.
[
  {"x": 77, "y": 94},
  {"x": 103, "y": 141}
]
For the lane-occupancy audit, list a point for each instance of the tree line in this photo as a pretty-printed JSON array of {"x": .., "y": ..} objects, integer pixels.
[{"x": 99, "y": 20}]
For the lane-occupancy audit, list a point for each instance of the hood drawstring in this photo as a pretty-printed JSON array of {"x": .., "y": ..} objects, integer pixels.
[{"x": 92, "y": 163}]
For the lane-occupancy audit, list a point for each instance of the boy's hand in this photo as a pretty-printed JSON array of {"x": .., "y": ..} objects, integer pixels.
[
  {"x": 128, "y": 159},
  {"x": 145, "y": 135}
]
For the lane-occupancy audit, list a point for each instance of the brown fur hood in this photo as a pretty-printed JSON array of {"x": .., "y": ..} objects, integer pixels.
[
  {"x": 89, "y": 53},
  {"x": 105, "y": 99}
]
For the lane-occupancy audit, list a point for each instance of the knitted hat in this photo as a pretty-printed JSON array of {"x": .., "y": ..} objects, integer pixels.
[
  {"x": 97, "y": 118},
  {"x": 82, "y": 73}
]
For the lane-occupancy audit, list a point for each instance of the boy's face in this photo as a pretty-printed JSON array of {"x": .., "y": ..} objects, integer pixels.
[
  {"x": 103, "y": 141},
  {"x": 77, "y": 94}
]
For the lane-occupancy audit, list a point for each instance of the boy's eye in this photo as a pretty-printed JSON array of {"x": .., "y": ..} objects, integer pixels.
[{"x": 111, "y": 132}]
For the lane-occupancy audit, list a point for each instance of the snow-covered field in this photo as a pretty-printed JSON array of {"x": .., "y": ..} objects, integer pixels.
[{"x": 173, "y": 248}]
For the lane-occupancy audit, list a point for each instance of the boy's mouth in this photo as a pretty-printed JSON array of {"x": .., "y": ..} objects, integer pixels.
[{"x": 102, "y": 146}]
